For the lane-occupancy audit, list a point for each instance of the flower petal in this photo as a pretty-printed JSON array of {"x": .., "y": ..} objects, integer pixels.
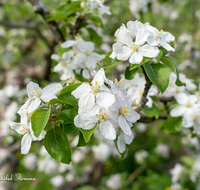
[
  {"x": 107, "y": 130},
  {"x": 34, "y": 105},
  {"x": 148, "y": 51},
  {"x": 31, "y": 88},
  {"x": 135, "y": 58},
  {"x": 105, "y": 99},
  {"x": 128, "y": 138},
  {"x": 26, "y": 143},
  {"x": 53, "y": 88},
  {"x": 177, "y": 111},
  {"x": 82, "y": 89},
  {"x": 124, "y": 125},
  {"x": 121, "y": 143}
]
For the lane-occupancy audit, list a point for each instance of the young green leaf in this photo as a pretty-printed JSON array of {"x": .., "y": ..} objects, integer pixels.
[
  {"x": 158, "y": 74},
  {"x": 39, "y": 120},
  {"x": 144, "y": 60},
  {"x": 87, "y": 134},
  {"x": 151, "y": 112},
  {"x": 81, "y": 141},
  {"x": 69, "y": 88},
  {"x": 57, "y": 145},
  {"x": 130, "y": 74},
  {"x": 69, "y": 99},
  {"x": 172, "y": 124},
  {"x": 172, "y": 65}
]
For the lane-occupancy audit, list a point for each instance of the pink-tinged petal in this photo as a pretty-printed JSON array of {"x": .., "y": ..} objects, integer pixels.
[
  {"x": 82, "y": 89},
  {"x": 26, "y": 143},
  {"x": 31, "y": 88},
  {"x": 55, "y": 57},
  {"x": 47, "y": 97},
  {"x": 128, "y": 138},
  {"x": 53, "y": 88},
  {"x": 182, "y": 98},
  {"x": 124, "y": 125},
  {"x": 86, "y": 101},
  {"x": 148, "y": 51},
  {"x": 107, "y": 130},
  {"x": 133, "y": 117},
  {"x": 68, "y": 43},
  {"x": 105, "y": 99},
  {"x": 166, "y": 45},
  {"x": 34, "y": 105},
  {"x": 135, "y": 58},
  {"x": 121, "y": 143},
  {"x": 78, "y": 122},
  {"x": 152, "y": 41},
  {"x": 177, "y": 111}
]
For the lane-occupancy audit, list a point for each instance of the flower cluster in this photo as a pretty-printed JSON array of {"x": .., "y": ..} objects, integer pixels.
[
  {"x": 139, "y": 40},
  {"x": 36, "y": 98},
  {"x": 106, "y": 104},
  {"x": 81, "y": 57}
]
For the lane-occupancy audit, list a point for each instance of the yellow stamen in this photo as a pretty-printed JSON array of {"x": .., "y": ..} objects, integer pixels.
[
  {"x": 37, "y": 92},
  {"x": 196, "y": 118},
  {"x": 102, "y": 1},
  {"x": 88, "y": 53},
  {"x": 25, "y": 99},
  {"x": 158, "y": 33},
  {"x": 78, "y": 36},
  {"x": 125, "y": 111},
  {"x": 134, "y": 104},
  {"x": 188, "y": 104},
  {"x": 95, "y": 87},
  {"x": 119, "y": 82},
  {"x": 116, "y": 40},
  {"x": 64, "y": 64},
  {"x": 102, "y": 116},
  {"x": 24, "y": 130},
  {"x": 134, "y": 47}
]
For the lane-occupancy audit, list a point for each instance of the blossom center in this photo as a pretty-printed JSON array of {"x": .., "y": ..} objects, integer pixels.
[
  {"x": 102, "y": 116},
  {"x": 116, "y": 40},
  {"x": 37, "y": 92},
  {"x": 134, "y": 47},
  {"x": 25, "y": 99},
  {"x": 158, "y": 33},
  {"x": 188, "y": 104},
  {"x": 24, "y": 130},
  {"x": 88, "y": 53},
  {"x": 95, "y": 87},
  {"x": 125, "y": 111},
  {"x": 64, "y": 64}
]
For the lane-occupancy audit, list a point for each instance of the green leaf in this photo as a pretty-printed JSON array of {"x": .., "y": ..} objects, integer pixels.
[
  {"x": 69, "y": 99},
  {"x": 158, "y": 74},
  {"x": 80, "y": 77},
  {"x": 187, "y": 160},
  {"x": 67, "y": 118},
  {"x": 49, "y": 126},
  {"x": 115, "y": 62},
  {"x": 87, "y": 134},
  {"x": 159, "y": 56},
  {"x": 69, "y": 88},
  {"x": 164, "y": 51},
  {"x": 151, "y": 112},
  {"x": 81, "y": 141},
  {"x": 95, "y": 19},
  {"x": 39, "y": 120},
  {"x": 130, "y": 74},
  {"x": 55, "y": 101},
  {"x": 172, "y": 124},
  {"x": 172, "y": 65},
  {"x": 94, "y": 37},
  {"x": 57, "y": 145},
  {"x": 144, "y": 60}
]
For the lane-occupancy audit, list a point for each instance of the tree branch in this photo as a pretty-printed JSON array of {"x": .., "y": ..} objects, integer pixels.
[
  {"x": 145, "y": 119},
  {"x": 148, "y": 84},
  {"x": 39, "y": 8}
]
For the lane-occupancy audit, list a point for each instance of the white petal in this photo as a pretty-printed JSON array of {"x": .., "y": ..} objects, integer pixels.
[
  {"x": 53, "y": 88},
  {"x": 17, "y": 127},
  {"x": 152, "y": 41},
  {"x": 107, "y": 130},
  {"x": 34, "y": 105},
  {"x": 124, "y": 53},
  {"x": 105, "y": 99},
  {"x": 121, "y": 143},
  {"x": 182, "y": 98},
  {"x": 47, "y": 97},
  {"x": 142, "y": 34},
  {"x": 26, "y": 143},
  {"x": 86, "y": 73},
  {"x": 55, "y": 57},
  {"x": 148, "y": 51},
  {"x": 82, "y": 89},
  {"x": 166, "y": 45},
  {"x": 133, "y": 117},
  {"x": 89, "y": 120},
  {"x": 128, "y": 138},
  {"x": 31, "y": 87},
  {"x": 136, "y": 58},
  {"x": 86, "y": 101},
  {"x": 124, "y": 125},
  {"x": 78, "y": 122},
  {"x": 100, "y": 77},
  {"x": 68, "y": 43},
  {"x": 177, "y": 111}
]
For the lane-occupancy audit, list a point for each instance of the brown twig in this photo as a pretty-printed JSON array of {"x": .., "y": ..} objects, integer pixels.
[
  {"x": 145, "y": 119},
  {"x": 148, "y": 84}
]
